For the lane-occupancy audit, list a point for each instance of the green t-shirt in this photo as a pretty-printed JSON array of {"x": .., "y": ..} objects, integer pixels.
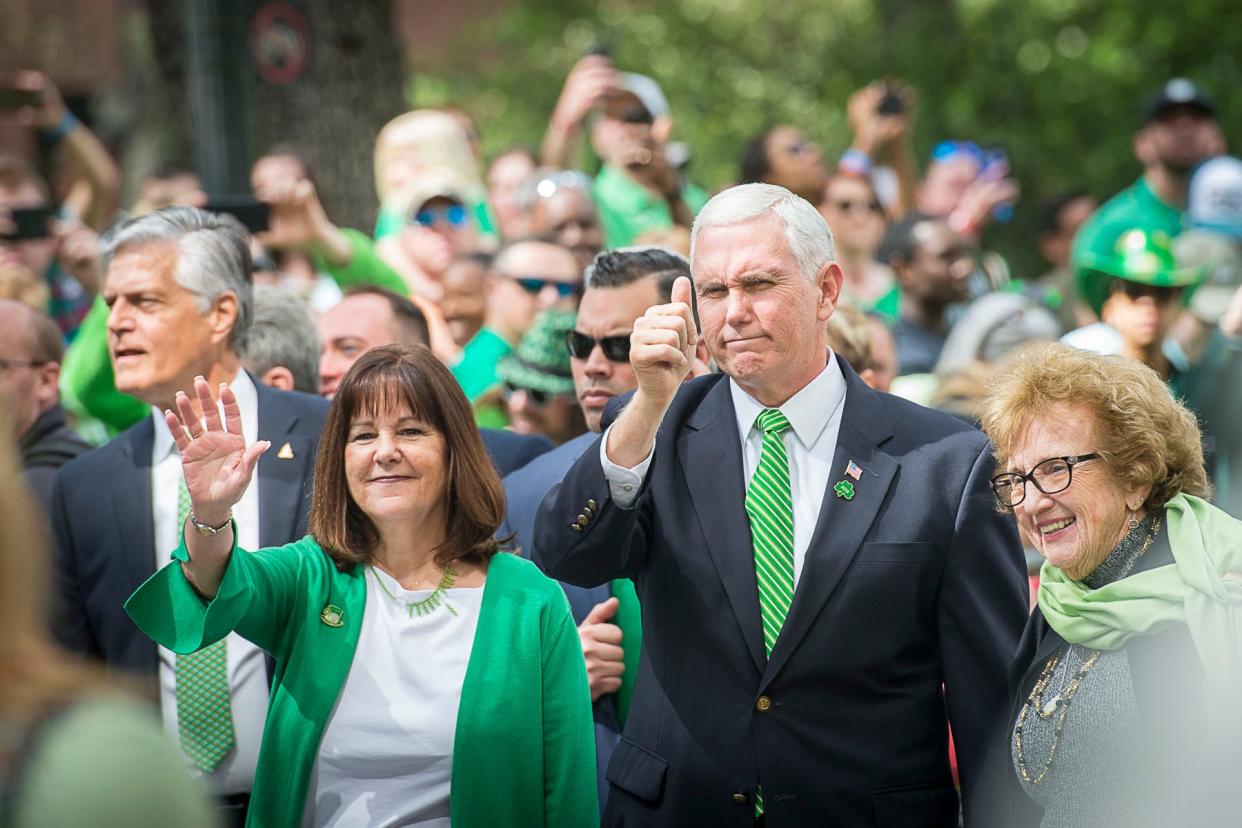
[
  {"x": 476, "y": 370},
  {"x": 108, "y": 762},
  {"x": 627, "y": 209},
  {"x": 1134, "y": 208}
]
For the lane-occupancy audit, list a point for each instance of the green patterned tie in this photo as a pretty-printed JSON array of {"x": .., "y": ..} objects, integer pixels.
[
  {"x": 204, "y": 714},
  {"x": 770, "y": 508}
]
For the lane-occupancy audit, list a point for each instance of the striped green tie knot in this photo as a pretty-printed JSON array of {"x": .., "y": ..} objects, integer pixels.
[{"x": 771, "y": 420}]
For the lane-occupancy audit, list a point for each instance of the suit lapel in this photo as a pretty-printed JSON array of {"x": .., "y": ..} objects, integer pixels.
[
  {"x": 842, "y": 524},
  {"x": 130, "y": 488},
  {"x": 282, "y": 469},
  {"x": 711, "y": 459}
]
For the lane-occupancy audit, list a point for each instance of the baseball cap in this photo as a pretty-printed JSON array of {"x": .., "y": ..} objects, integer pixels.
[
  {"x": 646, "y": 90},
  {"x": 1218, "y": 255},
  {"x": 1214, "y": 201},
  {"x": 1177, "y": 92}
]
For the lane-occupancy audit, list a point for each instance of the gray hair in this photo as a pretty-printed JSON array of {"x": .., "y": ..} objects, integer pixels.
[
  {"x": 213, "y": 257},
  {"x": 810, "y": 240},
  {"x": 283, "y": 334}
]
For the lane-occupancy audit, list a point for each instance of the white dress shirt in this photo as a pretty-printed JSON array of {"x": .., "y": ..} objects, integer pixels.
[
  {"x": 814, "y": 415},
  {"x": 247, "y": 670},
  {"x": 386, "y": 756}
]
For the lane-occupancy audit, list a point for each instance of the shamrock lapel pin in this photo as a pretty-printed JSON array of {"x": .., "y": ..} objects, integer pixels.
[
  {"x": 844, "y": 490},
  {"x": 332, "y": 616}
]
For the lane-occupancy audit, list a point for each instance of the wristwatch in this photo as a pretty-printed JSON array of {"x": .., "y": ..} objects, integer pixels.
[{"x": 206, "y": 528}]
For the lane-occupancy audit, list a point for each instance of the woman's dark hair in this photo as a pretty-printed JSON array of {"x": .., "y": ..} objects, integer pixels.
[
  {"x": 385, "y": 378},
  {"x": 754, "y": 164}
]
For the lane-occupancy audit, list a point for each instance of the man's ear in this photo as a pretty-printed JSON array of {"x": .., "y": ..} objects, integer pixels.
[
  {"x": 661, "y": 129},
  {"x": 1144, "y": 151},
  {"x": 279, "y": 377},
  {"x": 829, "y": 283},
  {"x": 223, "y": 316},
  {"x": 867, "y": 375},
  {"x": 48, "y": 392}
]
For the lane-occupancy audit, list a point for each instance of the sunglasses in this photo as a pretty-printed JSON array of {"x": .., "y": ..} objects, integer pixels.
[
  {"x": 616, "y": 348},
  {"x": 1134, "y": 291},
  {"x": 455, "y": 215},
  {"x": 846, "y": 205},
  {"x": 536, "y": 397},
  {"x": 535, "y": 285}
]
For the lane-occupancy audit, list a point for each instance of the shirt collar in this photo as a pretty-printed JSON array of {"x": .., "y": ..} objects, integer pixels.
[
  {"x": 247, "y": 400},
  {"x": 805, "y": 410}
]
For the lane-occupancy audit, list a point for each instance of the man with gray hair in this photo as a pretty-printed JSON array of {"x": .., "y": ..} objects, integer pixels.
[
  {"x": 282, "y": 349},
  {"x": 180, "y": 306},
  {"x": 822, "y": 571}
]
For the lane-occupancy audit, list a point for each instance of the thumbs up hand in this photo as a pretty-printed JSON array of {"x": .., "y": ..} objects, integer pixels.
[
  {"x": 601, "y": 648},
  {"x": 662, "y": 345}
]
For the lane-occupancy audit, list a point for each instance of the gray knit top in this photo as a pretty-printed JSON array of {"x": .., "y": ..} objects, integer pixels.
[{"x": 1101, "y": 722}]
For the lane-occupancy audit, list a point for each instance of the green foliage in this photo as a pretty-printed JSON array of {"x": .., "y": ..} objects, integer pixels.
[{"x": 1058, "y": 83}]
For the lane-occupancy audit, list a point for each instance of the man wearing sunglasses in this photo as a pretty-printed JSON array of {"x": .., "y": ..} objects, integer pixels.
[
  {"x": 527, "y": 276},
  {"x": 621, "y": 285}
]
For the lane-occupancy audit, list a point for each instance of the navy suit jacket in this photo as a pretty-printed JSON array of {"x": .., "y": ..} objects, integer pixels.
[
  {"x": 915, "y": 584},
  {"x": 510, "y": 451},
  {"x": 105, "y": 533},
  {"x": 524, "y": 491}
]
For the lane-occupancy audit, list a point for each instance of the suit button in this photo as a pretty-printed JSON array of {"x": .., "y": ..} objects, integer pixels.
[
  {"x": 583, "y": 520},
  {"x": 741, "y": 798},
  {"x": 575, "y": 527},
  {"x": 591, "y": 504},
  {"x": 763, "y": 704}
]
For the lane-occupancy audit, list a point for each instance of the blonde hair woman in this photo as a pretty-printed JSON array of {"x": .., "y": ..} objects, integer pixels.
[
  {"x": 1137, "y": 632},
  {"x": 73, "y": 749}
]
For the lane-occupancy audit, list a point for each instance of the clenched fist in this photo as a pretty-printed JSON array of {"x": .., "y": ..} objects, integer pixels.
[{"x": 662, "y": 345}]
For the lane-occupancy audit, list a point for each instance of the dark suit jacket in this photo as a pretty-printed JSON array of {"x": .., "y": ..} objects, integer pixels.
[
  {"x": 47, "y": 445},
  {"x": 915, "y": 583},
  {"x": 510, "y": 451},
  {"x": 524, "y": 491},
  {"x": 101, "y": 519}
]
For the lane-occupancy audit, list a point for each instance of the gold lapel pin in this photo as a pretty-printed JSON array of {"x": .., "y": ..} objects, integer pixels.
[
  {"x": 332, "y": 616},
  {"x": 285, "y": 453}
]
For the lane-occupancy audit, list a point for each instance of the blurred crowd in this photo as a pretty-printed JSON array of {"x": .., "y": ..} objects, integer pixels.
[{"x": 502, "y": 267}]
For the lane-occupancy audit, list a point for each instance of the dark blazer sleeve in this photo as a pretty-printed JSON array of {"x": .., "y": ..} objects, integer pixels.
[
  {"x": 585, "y": 545},
  {"x": 69, "y": 623},
  {"x": 982, "y": 610}
]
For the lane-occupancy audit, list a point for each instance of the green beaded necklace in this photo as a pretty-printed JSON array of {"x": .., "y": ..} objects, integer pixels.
[{"x": 428, "y": 605}]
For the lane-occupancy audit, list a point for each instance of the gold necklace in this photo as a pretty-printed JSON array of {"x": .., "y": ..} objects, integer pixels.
[
  {"x": 423, "y": 606},
  {"x": 1059, "y": 703}
]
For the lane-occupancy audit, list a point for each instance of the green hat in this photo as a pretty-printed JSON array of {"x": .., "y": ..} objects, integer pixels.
[
  {"x": 541, "y": 360},
  {"x": 1143, "y": 256}
]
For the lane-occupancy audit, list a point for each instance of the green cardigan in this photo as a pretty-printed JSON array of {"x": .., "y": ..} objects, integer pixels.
[{"x": 524, "y": 753}]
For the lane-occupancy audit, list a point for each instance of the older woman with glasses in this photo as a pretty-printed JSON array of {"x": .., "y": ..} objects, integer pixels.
[{"x": 1138, "y": 627}]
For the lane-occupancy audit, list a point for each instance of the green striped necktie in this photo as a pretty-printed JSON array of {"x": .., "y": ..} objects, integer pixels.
[
  {"x": 204, "y": 712},
  {"x": 770, "y": 509}
]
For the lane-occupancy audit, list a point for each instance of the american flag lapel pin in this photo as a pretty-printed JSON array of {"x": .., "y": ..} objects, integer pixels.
[{"x": 853, "y": 470}]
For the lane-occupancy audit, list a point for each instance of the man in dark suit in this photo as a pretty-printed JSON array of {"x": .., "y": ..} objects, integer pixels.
[
  {"x": 372, "y": 316},
  {"x": 178, "y": 289},
  {"x": 620, "y": 286},
  {"x": 822, "y": 572}
]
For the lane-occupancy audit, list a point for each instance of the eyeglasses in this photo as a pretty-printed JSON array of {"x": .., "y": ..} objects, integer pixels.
[
  {"x": 1135, "y": 291},
  {"x": 454, "y": 214},
  {"x": 536, "y": 284},
  {"x": 1049, "y": 476},
  {"x": 616, "y": 348},
  {"x": 847, "y": 205}
]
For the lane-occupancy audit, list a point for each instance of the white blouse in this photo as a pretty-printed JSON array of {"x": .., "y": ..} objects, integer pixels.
[{"x": 387, "y": 752}]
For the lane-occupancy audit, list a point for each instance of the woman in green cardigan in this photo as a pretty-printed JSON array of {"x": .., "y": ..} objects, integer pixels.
[{"x": 420, "y": 676}]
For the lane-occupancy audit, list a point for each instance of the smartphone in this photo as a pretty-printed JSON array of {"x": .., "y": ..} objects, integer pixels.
[
  {"x": 251, "y": 213},
  {"x": 11, "y": 98},
  {"x": 30, "y": 223},
  {"x": 891, "y": 103}
]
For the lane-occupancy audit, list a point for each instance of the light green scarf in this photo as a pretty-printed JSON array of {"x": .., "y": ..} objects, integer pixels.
[{"x": 1202, "y": 589}]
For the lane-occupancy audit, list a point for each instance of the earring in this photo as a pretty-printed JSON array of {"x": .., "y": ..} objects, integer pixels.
[{"x": 1133, "y": 523}]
